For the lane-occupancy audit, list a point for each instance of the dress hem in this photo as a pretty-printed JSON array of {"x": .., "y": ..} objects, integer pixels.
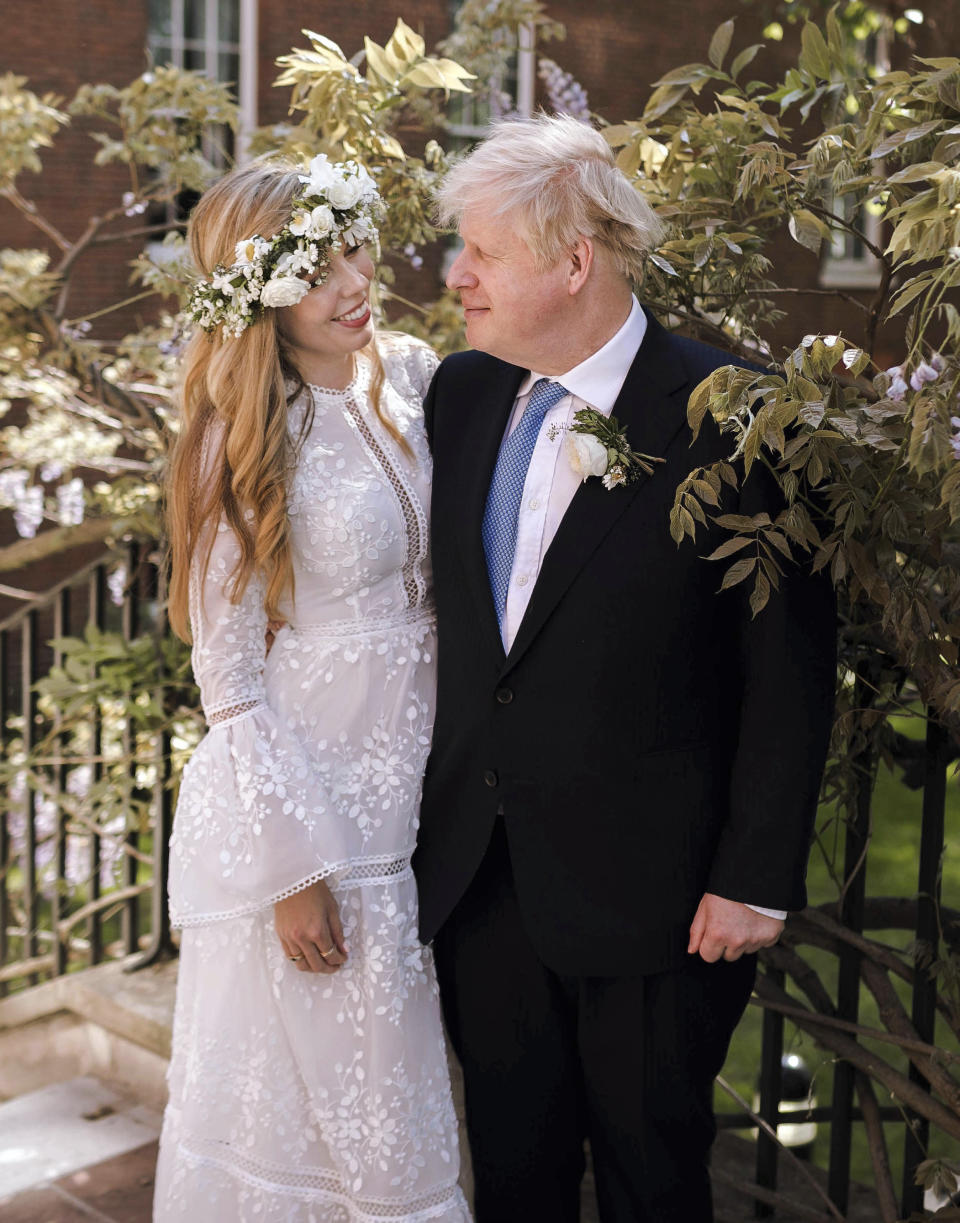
[{"x": 435, "y": 1203}]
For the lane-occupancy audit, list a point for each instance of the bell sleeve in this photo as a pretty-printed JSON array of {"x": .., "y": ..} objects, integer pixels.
[{"x": 254, "y": 822}]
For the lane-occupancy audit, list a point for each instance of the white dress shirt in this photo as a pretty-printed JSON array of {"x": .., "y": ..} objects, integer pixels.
[{"x": 551, "y": 482}]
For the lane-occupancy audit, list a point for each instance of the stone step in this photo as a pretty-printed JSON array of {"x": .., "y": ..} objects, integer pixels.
[{"x": 102, "y": 1021}]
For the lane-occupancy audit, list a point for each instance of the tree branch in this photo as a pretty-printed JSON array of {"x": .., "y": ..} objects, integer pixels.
[
  {"x": 879, "y": 1156},
  {"x": 50, "y": 543},
  {"x": 32, "y": 213}
]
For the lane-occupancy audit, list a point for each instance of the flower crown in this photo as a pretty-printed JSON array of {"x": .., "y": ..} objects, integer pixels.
[{"x": 337, "y": 207}]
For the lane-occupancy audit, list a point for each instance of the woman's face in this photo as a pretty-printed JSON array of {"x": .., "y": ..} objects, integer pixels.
[{"x": 333, "y": 321}]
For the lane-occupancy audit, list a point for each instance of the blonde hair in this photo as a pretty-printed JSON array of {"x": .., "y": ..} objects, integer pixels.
[
  {"x": 557, "y": 179},
  {"x": 238, "y": 384}
]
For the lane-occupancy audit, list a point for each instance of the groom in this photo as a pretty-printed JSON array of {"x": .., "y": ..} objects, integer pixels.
[{"x": 618, "y": 805}]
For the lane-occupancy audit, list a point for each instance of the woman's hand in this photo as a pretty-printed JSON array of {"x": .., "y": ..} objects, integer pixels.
[{"x": 308, "y": 924}]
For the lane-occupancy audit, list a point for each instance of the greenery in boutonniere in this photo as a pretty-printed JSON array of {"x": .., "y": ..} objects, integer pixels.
[{"x": 596, "y": 445}]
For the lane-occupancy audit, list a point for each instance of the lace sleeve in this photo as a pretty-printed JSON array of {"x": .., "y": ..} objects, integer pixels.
[
  {"x": 229, "y": 639},
  {"x": 254, "y": 821}
]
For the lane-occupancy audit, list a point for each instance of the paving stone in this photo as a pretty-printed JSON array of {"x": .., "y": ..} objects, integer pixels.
[
  {"x": 47, "y": 1134},
  {"x": 44, "y": 1206},
  {"x": 120, "y": 1188}
]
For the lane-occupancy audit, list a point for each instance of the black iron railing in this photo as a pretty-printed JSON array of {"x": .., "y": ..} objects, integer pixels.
[
  {"x": 80, "y": 912},
  {"x": 854, "y": 1100}
]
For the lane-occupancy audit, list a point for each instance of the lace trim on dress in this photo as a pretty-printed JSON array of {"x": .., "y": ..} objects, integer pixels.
[
  {"x": 422, "y": 617},
  {"x": 232, "y": 713},
  {"x": 319, "y": 1185},
  {"x": 181, "y": 920},
  {"x": 414, "y": 520},
  {"x": 367, "y": 872}
]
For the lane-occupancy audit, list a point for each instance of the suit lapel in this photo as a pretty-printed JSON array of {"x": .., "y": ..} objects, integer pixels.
[
  {"x": 479, "y": 444},
  {"x": 651, "y": 407}
]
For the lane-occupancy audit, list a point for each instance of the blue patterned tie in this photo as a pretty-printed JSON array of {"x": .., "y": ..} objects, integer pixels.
[{"x": 499, "y": 530}]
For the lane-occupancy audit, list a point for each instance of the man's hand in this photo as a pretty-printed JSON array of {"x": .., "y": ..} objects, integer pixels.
[{"x": 727, "y": 929}]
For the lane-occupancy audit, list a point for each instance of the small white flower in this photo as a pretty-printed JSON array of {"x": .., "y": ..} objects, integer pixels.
[
  {"x": 70, "y": 503},
  {"x": 300, "y": 223},
  {"x": 13, "y": 485},
  {"x": 923, "y": 373},
  {"x": 616, "y": 475},
  {"x": 321, "y": 175},
  {"x": 249, "y": 250},
  {"x": 222, "y": 284},
  {"x": 358, "y": 233},
  {"x": 116, "y": 582},
  {"x": 586, "y": 454},
  {"x": 29, "y": 512},
  {"x": 345, "y": 193},
  {"x": 283, "y": 291}
]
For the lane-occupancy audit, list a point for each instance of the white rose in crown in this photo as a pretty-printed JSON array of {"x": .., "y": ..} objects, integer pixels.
[
  {"x": 284, "y": 291},
  {"x": 345, "y": 192},
  {"x": 586, "y": 454},
  {"x": 322, "y": 221}
]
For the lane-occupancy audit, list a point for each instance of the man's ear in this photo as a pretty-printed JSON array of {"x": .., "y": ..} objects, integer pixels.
[{"x": 580, "y": 264}]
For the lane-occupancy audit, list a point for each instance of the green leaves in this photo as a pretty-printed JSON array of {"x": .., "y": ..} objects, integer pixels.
[
  {"x": 28, "y": 123},
  {"x": 158, "y": 123},
  {"x": 808, "y": 229},
  {"x": 720, "y": 44}
]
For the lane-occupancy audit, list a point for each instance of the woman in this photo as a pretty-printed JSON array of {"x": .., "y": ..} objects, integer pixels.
[{"x": 308, "y": 1081}]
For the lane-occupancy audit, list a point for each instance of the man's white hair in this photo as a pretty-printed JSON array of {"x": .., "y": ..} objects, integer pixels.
[{"x": 557, "y": 180}]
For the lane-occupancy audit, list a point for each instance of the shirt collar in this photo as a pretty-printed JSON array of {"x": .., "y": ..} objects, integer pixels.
[{"x": 598, "y": 379}]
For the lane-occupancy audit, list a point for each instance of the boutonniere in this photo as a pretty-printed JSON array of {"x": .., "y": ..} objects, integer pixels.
[{"x": 597, "y": 446}]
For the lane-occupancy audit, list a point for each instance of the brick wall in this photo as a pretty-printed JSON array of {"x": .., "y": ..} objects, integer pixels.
[{"x": 59, "y": 46}]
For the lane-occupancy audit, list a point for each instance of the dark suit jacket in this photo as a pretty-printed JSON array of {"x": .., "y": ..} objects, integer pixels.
[{"x": 645, "y": 741}]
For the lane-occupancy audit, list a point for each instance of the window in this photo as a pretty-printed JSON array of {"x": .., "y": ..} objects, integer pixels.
[
  {"x": 848, "y": 262},
  {"x": 216, "y": 37},
  {"x": 469, "y": 115}
]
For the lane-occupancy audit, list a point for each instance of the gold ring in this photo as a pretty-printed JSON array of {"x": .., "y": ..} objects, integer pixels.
[
  {"x": 328, "y": 950},
  {"x": 295, "y": 957}
]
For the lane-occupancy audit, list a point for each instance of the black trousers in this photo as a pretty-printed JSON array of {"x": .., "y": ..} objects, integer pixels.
[{"x": 551, "y": 1059}]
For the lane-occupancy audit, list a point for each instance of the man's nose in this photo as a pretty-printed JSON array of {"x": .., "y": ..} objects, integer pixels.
[{"x": 460, "y": 276}]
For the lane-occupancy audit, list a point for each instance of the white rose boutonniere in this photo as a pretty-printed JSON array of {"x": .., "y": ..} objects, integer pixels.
[
  {"x": 597, "y": 446},
  {"x": 587, "y": 455}
]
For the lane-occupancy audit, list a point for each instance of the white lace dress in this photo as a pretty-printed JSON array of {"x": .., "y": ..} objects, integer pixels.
[{"x": 293, "y": 1096}]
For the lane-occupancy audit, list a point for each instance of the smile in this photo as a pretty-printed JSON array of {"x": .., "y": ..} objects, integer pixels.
[{"x": 356, "y": 317}]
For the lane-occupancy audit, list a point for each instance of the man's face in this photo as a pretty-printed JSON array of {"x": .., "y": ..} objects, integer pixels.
[{"x": 512, "y": 310}]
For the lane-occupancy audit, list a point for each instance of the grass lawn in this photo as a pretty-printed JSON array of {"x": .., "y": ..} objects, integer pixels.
[{"x": 891, "y": 871}]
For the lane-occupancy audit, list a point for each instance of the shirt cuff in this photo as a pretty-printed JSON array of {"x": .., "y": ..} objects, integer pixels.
[{"x": 777, "y": 914}]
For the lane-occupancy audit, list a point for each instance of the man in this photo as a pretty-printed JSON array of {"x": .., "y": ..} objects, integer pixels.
[{"x": 618, "y": 804}]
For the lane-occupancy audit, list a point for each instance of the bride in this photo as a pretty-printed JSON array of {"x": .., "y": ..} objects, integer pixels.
[{"x": 308, "y": 1081}]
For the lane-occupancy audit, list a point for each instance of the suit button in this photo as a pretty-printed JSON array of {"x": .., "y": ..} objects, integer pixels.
[
  {"x": 504, "y": 696},
  {"x": 491, "y": 778}
]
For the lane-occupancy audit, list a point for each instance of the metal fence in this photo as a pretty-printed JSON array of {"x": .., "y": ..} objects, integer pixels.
[
  {"x": 59, "y": 907},
  {"x": 52, "y": 925}
]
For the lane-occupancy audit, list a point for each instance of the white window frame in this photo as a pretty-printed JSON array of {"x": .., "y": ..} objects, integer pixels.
[
  {"x": 212, "y": 48},
  {"x": 467, "y": 130},
  {"x": 839, "y": 267}
]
